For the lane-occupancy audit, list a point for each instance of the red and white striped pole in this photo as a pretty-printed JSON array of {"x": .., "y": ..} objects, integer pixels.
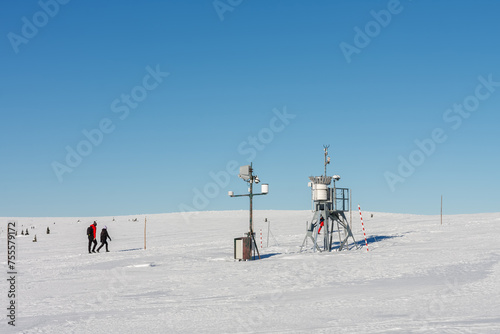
[
  {"x": 363, "y": 225},
  {"x": 260, "y": 238}
]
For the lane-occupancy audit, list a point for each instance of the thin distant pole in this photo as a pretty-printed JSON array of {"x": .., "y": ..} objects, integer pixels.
[
  {"x": 268, "y": 229},
  {"x": 144, "y": 232},
  {"x": 441, "y": 209}
]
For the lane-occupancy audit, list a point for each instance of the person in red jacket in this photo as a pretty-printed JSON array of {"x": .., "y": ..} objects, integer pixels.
[
  {"x": 321, "y": 223},
  {"x": 91, "y": 235}
]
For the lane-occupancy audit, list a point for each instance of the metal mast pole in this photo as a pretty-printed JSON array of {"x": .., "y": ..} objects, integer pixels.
[
  {"x": 246, "y": 173},
  {"x": 251, "y": 212},
  {"x": 251, "y": 200}
]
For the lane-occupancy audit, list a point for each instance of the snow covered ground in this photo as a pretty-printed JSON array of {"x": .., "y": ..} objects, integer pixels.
[{"x": 418, "y": 276}]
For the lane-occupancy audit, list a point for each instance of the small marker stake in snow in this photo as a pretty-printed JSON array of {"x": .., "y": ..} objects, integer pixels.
[
  {"x": 363, "y": 225},
  {"x": 261, "y": 238}
]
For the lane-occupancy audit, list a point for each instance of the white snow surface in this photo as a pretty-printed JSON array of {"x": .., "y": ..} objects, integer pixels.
[{"x": 418, "y": 276}]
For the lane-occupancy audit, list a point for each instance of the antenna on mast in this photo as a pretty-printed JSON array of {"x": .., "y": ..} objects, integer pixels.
[{"x": 327, "y": 158}]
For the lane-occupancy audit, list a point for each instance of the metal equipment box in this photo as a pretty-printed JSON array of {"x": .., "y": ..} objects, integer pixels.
[{"x": 243, "y": 248}]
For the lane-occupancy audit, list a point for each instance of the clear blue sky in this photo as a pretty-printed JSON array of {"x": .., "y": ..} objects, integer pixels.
[{"x": 232, "y": 67}]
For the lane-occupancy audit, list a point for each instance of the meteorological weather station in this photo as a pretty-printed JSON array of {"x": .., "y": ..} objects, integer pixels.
[
  {"x": 329, "y": 205},
  {"x": 245, "y": 246}
]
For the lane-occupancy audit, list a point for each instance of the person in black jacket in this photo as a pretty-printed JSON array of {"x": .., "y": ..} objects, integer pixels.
[{"x": 104, "y": 239}]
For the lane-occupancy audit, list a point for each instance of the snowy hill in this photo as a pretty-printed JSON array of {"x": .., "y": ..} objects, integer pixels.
[{"x": 418, "y": 276}]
